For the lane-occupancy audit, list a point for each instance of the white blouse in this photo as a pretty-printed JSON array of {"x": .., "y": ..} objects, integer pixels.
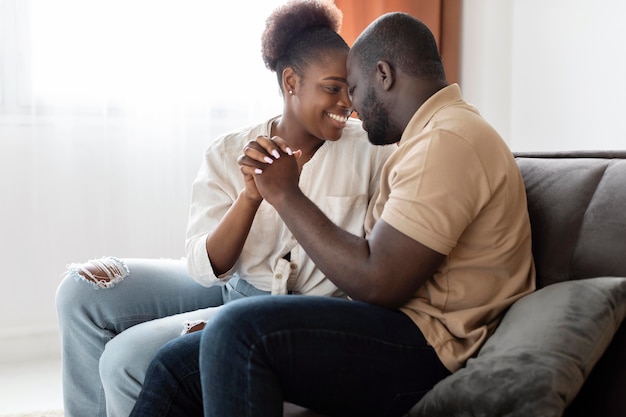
[{"x": 340, "y": 179}]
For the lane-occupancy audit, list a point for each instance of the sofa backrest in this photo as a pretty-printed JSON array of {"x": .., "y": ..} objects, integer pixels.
[{"x": 577, "y": 207}]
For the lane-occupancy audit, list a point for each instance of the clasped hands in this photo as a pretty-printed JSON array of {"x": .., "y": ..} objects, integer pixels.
[{"x": 273, "y": 166}]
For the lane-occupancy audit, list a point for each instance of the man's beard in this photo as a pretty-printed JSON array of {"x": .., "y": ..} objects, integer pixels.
[{"x": 376, "y": 116}]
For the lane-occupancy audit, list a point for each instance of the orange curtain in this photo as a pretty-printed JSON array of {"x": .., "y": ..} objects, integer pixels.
[{"x": 443, "y": 17}]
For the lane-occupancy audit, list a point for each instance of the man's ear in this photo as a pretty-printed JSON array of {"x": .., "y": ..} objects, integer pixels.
[
  {"x": 385, "y": 75},
  {"x": 290, "y": 81}
]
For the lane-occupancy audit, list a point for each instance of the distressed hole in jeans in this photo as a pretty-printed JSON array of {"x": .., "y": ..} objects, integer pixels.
[{"x": 101, "y": 273}]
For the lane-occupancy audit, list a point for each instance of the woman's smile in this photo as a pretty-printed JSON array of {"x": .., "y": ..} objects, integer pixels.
[{"x": 339, "y": 120}]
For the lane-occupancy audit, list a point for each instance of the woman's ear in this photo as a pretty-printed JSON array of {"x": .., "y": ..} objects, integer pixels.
[
  {"x": 290, "y": 81},
  {"x": 385, "y": 75}
]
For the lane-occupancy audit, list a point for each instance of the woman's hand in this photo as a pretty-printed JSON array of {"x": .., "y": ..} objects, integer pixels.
[
  {"x": 257, "y": 154},
  {"x": 251, "y": 191},
  {"x": 263, "y": 151},
  {"x": 273, "y": 165},
  {"x": 253, "y": 157}
]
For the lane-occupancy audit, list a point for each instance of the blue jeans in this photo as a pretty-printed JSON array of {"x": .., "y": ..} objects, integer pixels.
[
  {"x": 109, "y": 336},
  {"x": 334, "y": 356}
]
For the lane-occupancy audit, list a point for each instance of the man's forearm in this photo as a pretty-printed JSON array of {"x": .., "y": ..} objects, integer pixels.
[{"x": 329, "y": 246}]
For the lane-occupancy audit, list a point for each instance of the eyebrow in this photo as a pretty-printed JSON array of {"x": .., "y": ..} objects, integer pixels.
[{"x": 343, "y": 80}]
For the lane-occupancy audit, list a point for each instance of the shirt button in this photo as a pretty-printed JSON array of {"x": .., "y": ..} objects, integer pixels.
[
  {"x": 293, "y": 266},
  {"x": 278, "y": 276}
]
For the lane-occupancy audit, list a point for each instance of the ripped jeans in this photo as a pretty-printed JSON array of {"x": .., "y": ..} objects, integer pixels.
[{"x": 109, "y": 335}]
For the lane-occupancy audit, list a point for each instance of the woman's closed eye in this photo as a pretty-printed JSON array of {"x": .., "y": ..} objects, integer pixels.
[{"x": 333, "y": 89}]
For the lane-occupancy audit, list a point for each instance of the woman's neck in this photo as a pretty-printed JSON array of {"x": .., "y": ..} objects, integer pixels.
[{"x": 296, "y": 137}]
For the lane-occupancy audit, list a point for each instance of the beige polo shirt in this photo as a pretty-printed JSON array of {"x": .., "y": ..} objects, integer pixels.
[{"x": 453, "y": 185}]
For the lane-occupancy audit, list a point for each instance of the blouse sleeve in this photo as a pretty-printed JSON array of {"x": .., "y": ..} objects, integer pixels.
[{"x": 214, "y": 190}]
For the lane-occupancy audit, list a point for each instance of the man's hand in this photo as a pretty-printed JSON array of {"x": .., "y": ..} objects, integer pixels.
[{"x": 273, "y": 165}]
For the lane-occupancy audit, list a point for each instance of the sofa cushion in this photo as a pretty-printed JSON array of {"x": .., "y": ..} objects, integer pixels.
[
  {"x": 602, "y": 394},
  {"x": 576, "y": 206},
  {"x": 539, "y": 356}
]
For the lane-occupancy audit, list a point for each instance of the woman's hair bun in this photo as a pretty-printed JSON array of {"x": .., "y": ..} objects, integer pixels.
[{"x": 288, "y": 21}]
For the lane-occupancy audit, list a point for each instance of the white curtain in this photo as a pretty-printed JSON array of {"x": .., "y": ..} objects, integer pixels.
[{"x": 106, "y": 107}]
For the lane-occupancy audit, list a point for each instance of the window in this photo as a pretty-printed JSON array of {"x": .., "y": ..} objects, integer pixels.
[
  {"x": 106, "y": 107},
  {"x": 135, "y": 57}
]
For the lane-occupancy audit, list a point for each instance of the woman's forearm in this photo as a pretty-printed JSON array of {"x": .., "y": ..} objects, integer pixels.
[{"x": 225, "y": 243}]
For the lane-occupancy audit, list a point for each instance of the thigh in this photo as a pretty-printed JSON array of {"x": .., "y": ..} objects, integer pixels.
[
  {"x": 153, "y": 288},
  {"x": 126, "y": 357},
  {"x": 335, "y": 356},
  {"x": 151, "y": 335},
  {"x": 162, "y": 287}
]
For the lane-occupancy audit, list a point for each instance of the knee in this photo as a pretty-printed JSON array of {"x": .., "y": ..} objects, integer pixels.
[
  {"x": 75, "y": 293},
  {"x": 122, "y": 362},
  {"x": 230, "y": 320},
  {"x": 241, "y": 321},
  {"x": 100, "y": 273},
  {"x": 179, "y": 350},
  {"x": 71, "y": 297},
  {"x": 178, "y": 357}
]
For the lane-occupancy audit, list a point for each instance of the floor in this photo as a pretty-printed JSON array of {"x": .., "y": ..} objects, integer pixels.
[{"x": 32, "y": 386}]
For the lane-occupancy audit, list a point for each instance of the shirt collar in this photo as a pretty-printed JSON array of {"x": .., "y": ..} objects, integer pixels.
[{"x": 429, "y": 108}]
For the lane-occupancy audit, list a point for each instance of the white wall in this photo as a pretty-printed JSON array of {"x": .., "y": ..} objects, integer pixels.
[
  {"x": 69, "y": 195},
  {"x": 549, "y": 75}
]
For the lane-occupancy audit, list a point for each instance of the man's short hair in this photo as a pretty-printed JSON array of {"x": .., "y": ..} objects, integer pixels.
[{"x": 404, "y": 42}]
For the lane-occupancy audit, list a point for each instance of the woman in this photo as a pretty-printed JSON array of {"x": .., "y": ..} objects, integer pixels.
[{"x": 236, "y": 245}]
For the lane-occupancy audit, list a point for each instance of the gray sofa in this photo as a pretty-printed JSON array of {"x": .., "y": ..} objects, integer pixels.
[{"x": 560, "y": 351}]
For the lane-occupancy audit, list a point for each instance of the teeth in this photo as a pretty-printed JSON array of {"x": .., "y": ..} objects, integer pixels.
[{"x": 337, "y": 117}]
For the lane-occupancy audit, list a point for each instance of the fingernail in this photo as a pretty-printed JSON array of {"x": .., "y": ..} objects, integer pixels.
[
  {"x": 268, "y": 159},
  {"x": 276, "y": 154},
  {"x": 258, "y": 171},
  {"x": 289, "y": 151}
]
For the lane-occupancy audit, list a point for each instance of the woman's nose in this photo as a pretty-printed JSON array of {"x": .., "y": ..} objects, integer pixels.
[{"x": 344, "y": 100}]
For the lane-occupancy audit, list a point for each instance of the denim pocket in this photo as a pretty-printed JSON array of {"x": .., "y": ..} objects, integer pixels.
[
  {"x": 229, "y": 293},
  {"x": 237, "y": 288}
]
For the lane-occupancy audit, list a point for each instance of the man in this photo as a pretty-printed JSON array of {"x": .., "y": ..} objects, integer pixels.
[{"x": 448, "y": 250}]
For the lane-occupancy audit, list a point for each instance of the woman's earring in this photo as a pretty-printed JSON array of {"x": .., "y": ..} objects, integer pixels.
[{"x": 291, "y": 92}]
